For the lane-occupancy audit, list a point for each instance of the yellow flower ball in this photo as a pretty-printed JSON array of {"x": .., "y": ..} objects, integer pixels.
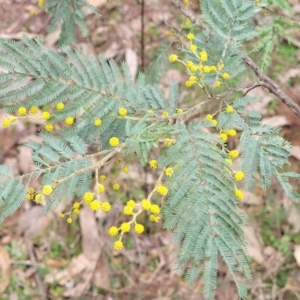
[
  {"x": 69, "y": 120},
  {"x": 173, "y": 57},
  {"x": 209, "y": 117},
  {"x": 48, "y": 127},
  {"x": 47, "y": 190},
  {"x": 168, "y": 142},
  {"x": 162, "y": 190},
  {"x": 125, "y": 227},
  {"x": 102, "y": 178},
  {"x": 33, "y": 109},
  {"x": 233, "y": 154},
  {"x": 139, "y": 228},
  {"x": 88, "y": 197},
  {"x": 6, "y": 122},
  {"x": 125, "y": 170},
  {"x": 22, "y": 111},
  {"x": 169, "y": 172},
  {"x": 76, "y": 211},
  {"x": 69, "y": 220},
  {"x": 146, "y": 204},
  {"x": 225, "y": 76},
  {"x": 113, "y": 231},
  {"x": 223, "y": 137},
  {"x": 154, "y": 218},
  {"x": 114, "y": 141},
  {"x": 95, "y": 205},
  {"x": 118, "y": 245},
  {"x": 193, "y": 48},
  {"x": 229, "y": 109},
  {"x": 128, "y": 210},
  {"x": 122, "y": 111},
  {"x": 60, "y": 106},
  {"x": 131, "y": 203},
  {"x": 101, "y": 188},
  {"x": 106, "y": 206},
  {"x": 231, "y": 132},
  {"x": 218, "y": 83},
  {"x": 239, "y": 175},
  {"x": 76, "y": 205},
  {"x": 46, "y": 115},
  {"x": 97, "y": 122},
  {"x": 155, "y": 209},
  {"x": 116, "y": 187},
  {"x": 239, "y": 194},
  {"x": 190, "y": 36},
  {"x": 153, "y": 164}
]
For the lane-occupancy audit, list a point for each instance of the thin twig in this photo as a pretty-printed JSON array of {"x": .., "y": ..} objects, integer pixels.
[{"x": 143, "y": 34}]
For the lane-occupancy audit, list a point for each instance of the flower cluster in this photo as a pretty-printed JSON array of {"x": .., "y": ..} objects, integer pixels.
[
  {"x": 134, "y": 209},
  {"x": 201, "y": 65}
]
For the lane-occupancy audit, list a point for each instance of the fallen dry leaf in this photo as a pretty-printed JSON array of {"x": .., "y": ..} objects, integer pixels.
[
  {"x": 297, "y": 254},
  {"x": 296, "y": 152},
  {"x": 5, "y": 269},
  {"x": 33, "y": 222},
  {"x": 254, "y": 247},
  {"x": 278, "y": 121},
  {"x": 25, "y": 160},
  {"x": 76, "y": 267},
  {"x": 131, "y": 59}
]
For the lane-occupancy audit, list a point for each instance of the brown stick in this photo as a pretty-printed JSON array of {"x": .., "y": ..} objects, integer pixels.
[{"x": 265, "y": 81}]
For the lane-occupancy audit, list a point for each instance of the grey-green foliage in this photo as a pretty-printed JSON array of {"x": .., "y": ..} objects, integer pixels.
[
  {"x": 71, "y": 14},
  {"x": 159, "y": 65},
  {"x": 270, "y": 35},
  {"x": 32, "y": 75},
  {"x": 232, "y": 19},
  {"x": 201, "y": 207}
]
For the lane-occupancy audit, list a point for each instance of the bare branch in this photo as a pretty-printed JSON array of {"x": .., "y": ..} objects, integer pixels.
[
  {"x": 189, "y": 15},
  {"x": 272, "y": 86}
]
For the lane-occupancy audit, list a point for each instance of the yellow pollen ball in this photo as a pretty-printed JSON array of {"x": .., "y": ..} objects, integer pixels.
[
  {"x": 46, "y": 115},
  {"x": 173, "y": 57},
  {"x": 125, "y": 227},
  {"x": 122, "y": 112},
  {"x": 229, "y": 109},
  {"x": 6, "y": 122},
  {"x": 60, "y": 106},
  {"x": 139, "y": 228},
  {"x": 69, "y": 120},
  {"x": 223, "y": 137},
  {"x": 95, "y": 205},
  {"x": 114, "y": 141},
  {"x": 22, "y": 111},
  {"x": 217, "y": 83},
  {"x": 153, "y": 164},
  {"x": 239, "y": 175},
  {"x": 113, "y": 231},
  {"x": 48, "y": 127},
  {"x": 233, "y": 154},
  {"x": 101, "y": 188},
  {"x": 97, "y": 122},
  {"x": 116, "y": 187},
  {"x": 169, "y": 172},
  {"x": 106, "y": 206},
  {"x": 118, "y": 245},
  {"x": 33, "y": 109},
  {"x": 47, "y": 190},
  {"x": 190, "y": 36}
]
